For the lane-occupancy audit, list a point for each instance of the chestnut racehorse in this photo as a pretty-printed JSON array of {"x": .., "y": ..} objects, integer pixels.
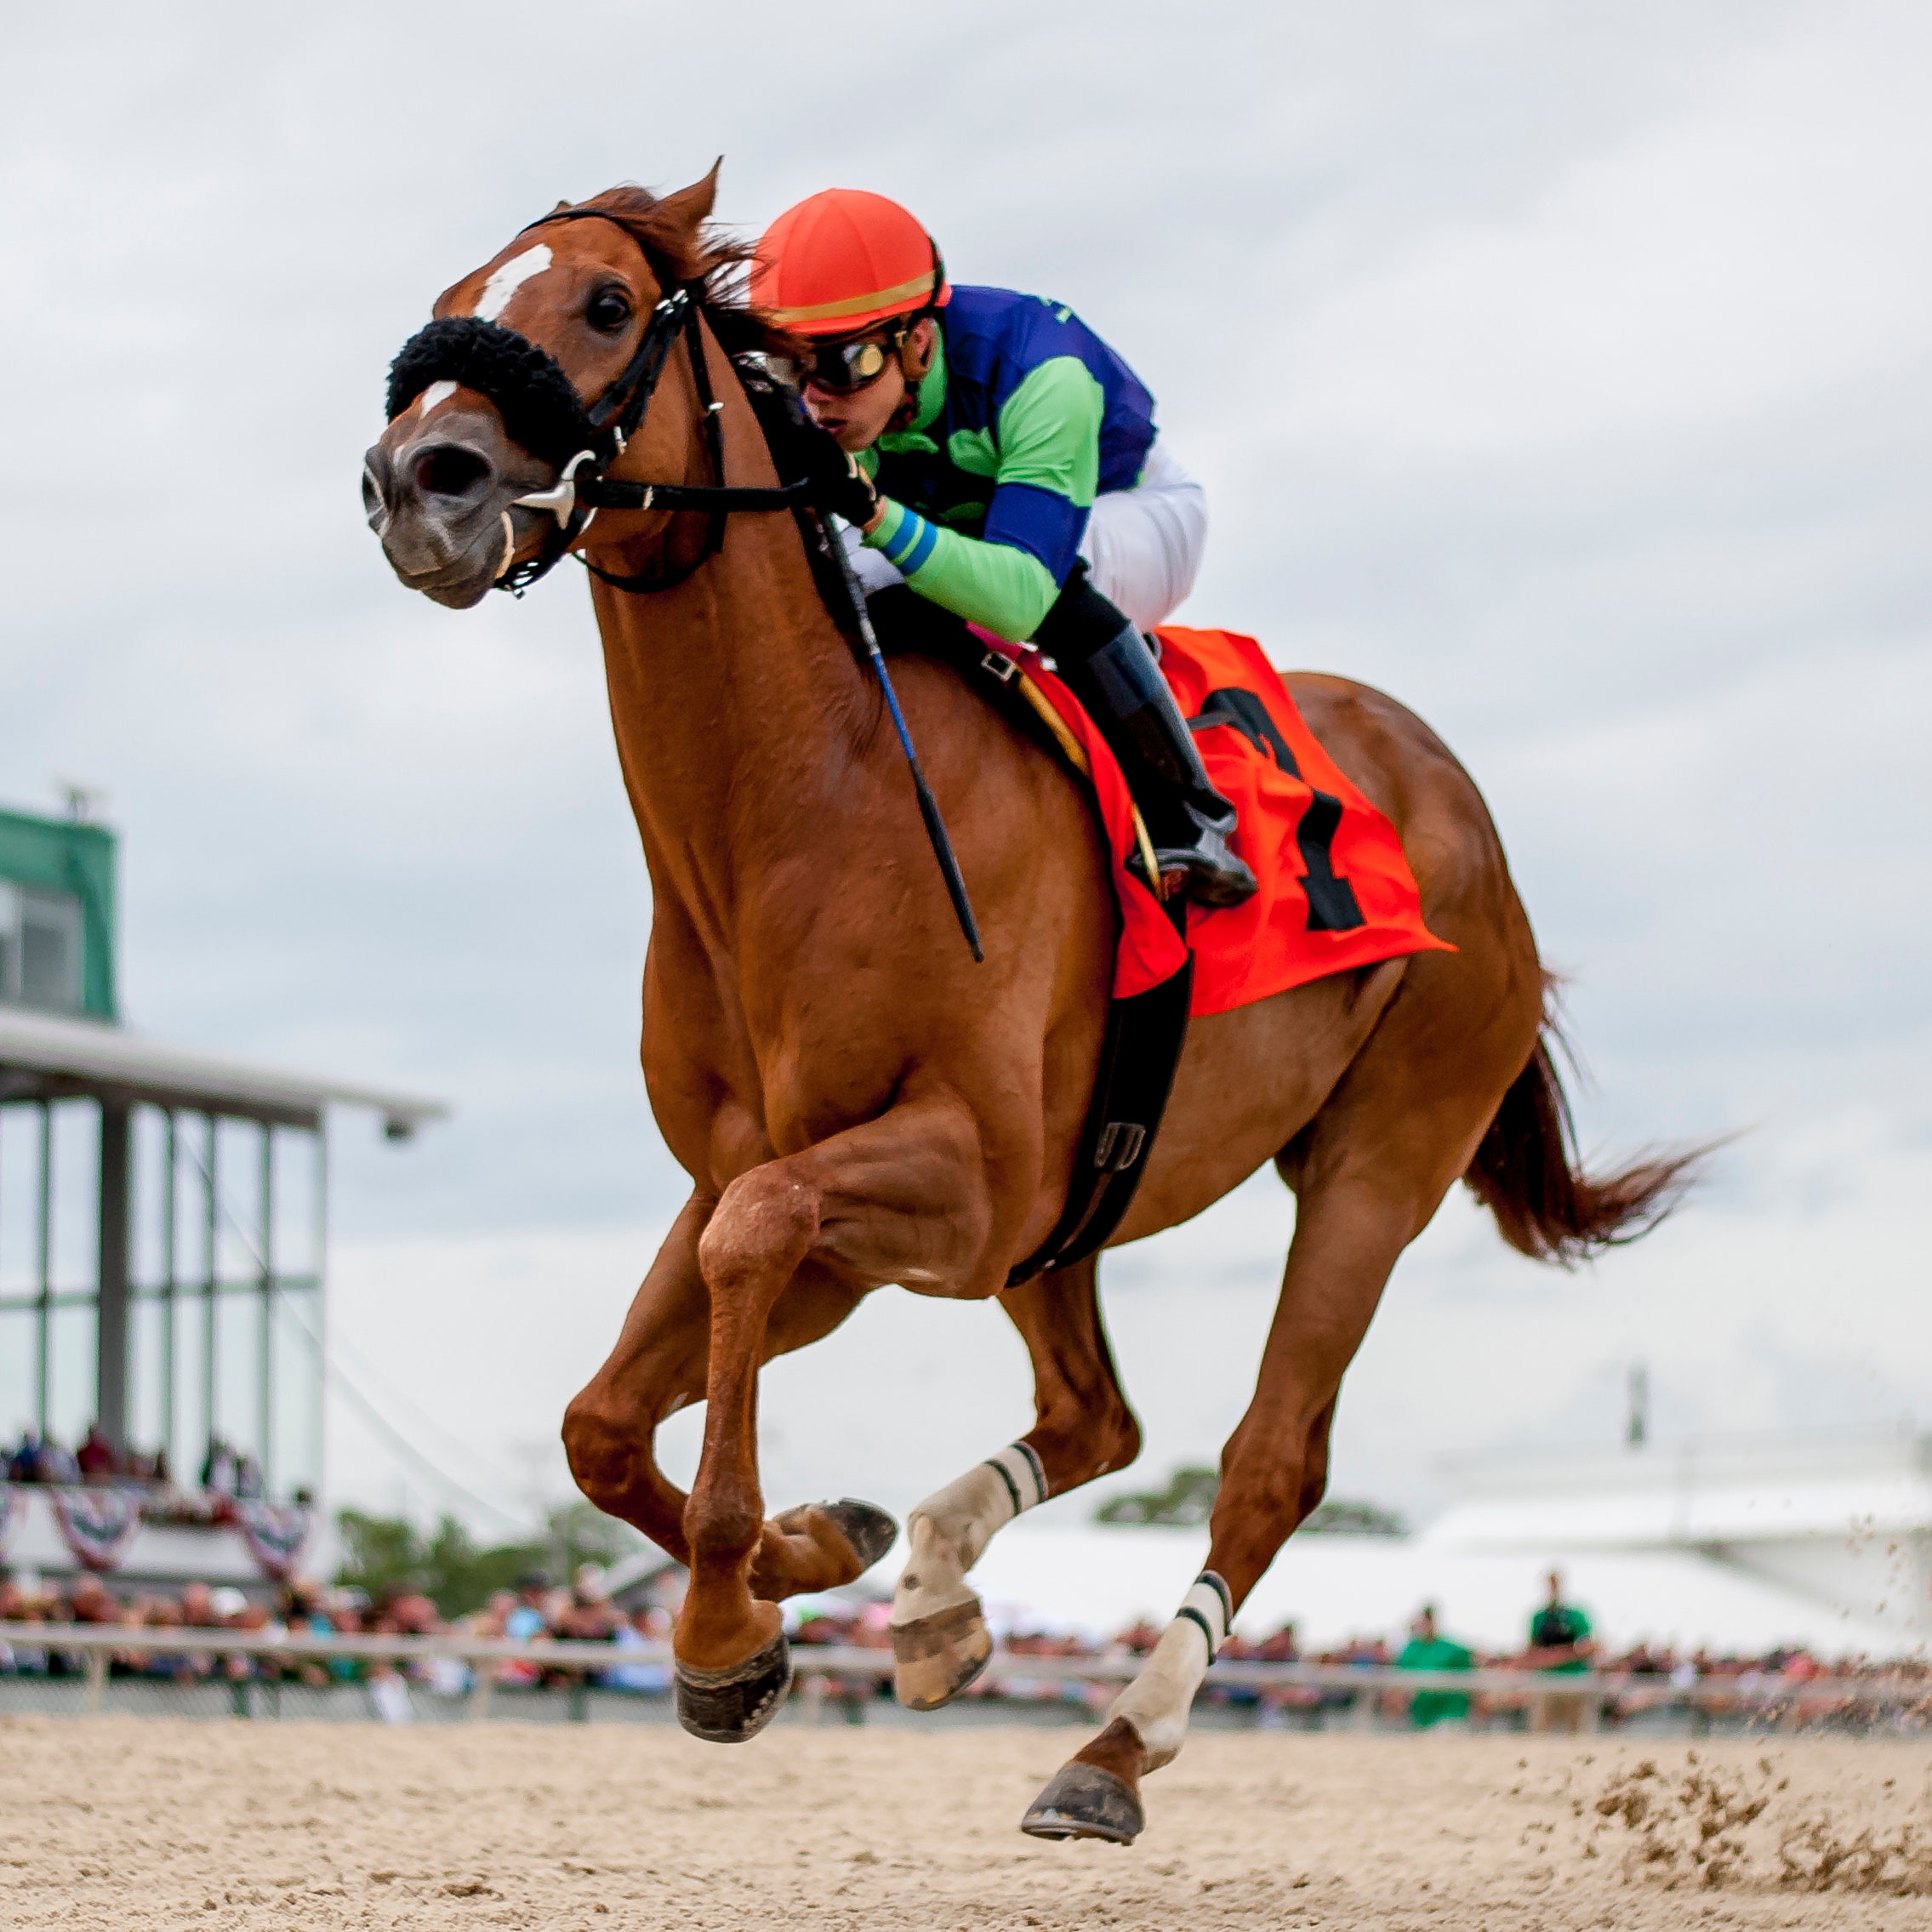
[{"x": 857, "y": 1102}]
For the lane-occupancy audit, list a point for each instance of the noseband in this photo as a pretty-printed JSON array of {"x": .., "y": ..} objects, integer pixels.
[{"x": 543, "y": 413}]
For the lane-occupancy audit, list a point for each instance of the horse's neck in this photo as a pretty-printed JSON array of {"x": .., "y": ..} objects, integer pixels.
[{"x": 737, "y": 704}]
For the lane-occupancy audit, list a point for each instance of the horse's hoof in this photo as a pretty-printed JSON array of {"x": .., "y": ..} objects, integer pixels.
[
  {"x": 937, "y": 1657},
  {"x": 865, "y": 1526},
  {"x": 727, "y": 1706},
  {"x": 1082, "y": 1801}
]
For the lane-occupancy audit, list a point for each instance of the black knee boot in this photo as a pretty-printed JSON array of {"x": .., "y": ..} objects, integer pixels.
[{"x": 1112, "y": 671}]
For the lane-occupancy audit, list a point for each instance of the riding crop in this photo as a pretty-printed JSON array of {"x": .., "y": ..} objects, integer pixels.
[{"x": 928, "y": 805}]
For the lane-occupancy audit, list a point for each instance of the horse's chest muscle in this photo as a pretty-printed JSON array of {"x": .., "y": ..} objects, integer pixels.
[{"x": 731, "y": 1088}]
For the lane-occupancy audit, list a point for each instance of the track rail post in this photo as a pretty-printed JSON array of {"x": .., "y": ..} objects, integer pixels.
[
  {"x": 482, "y": 1681},
  {"x": 94, "y": 1701}
]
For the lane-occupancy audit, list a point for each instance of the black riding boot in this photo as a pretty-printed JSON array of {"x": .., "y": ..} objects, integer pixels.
[{"x": 1112, "y": 671}]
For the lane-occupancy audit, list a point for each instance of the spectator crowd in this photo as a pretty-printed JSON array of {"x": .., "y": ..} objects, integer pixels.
[
  {"x": 539, "y": 1611},
  {"x": 1559, "y": 1644},
  {"x": 536, "y": 1611}
]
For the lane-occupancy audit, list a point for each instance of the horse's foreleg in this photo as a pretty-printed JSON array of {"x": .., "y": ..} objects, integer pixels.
[
  {"x": 899, "y": 1199},
  {"x": 658, "y": 1367},
  {"x": 655, "y": 1368},
  {"x": 1083, "y": 1428}
]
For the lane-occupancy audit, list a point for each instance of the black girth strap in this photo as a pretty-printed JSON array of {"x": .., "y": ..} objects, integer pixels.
[{"x": 1139, "y": 1055}]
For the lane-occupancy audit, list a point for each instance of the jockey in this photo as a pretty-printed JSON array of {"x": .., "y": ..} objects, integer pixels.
[{"x": 1002, "y": 461}]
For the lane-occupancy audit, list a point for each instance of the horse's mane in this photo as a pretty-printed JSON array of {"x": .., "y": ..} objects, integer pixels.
[{"x": 715, "y": 263}]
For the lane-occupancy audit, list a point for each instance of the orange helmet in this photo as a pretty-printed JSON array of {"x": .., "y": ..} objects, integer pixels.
[{"x": 844, "y": 260}]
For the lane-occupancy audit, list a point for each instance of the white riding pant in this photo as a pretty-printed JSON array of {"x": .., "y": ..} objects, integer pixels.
[{"x": 1142, "y": 546}]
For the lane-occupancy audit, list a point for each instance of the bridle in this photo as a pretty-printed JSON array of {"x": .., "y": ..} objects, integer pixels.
[{"x": 543, "y": 413}]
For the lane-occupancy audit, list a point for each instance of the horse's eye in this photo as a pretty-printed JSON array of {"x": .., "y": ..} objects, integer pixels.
[{"x": 609, "y": 310}]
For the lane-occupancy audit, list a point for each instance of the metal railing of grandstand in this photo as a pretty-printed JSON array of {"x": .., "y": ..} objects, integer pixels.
[{"x": 1897, "y": 1694}]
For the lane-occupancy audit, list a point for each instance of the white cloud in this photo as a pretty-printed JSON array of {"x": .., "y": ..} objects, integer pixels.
[
  {"x": 1560, "y": 370},
  {"x": 1746, "y": 252}
]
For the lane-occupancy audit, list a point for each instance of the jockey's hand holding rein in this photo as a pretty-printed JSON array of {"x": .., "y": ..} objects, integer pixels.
[{"x": 841, "y": 485}]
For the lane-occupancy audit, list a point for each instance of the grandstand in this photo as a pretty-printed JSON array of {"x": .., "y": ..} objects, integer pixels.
[{"x": 163, "y": 1217}]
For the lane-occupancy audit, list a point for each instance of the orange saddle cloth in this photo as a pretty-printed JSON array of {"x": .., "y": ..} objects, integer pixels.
[{"x": 1335, "y": 888}]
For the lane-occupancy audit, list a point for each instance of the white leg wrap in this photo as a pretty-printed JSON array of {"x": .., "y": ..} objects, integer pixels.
[
  {"x": 948, "y": 1532},
  {"x": 1158, "y": 1701}
]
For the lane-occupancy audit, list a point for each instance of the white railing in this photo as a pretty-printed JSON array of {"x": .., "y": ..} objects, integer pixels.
[{"x": 1761, "y": 1693}]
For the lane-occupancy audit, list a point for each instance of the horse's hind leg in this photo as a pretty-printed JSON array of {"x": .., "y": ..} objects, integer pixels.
[
  {"x": 658, "y": 1367},
  {"x": 1369, "y": 1171},
  {"x": 1341, "y": 1257},
  {"x": 1083, "y": 1428}
]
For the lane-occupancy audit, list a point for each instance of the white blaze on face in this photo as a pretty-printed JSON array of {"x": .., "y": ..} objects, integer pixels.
[
  {"x": 505, "y": 281},
  {"x": 436, "y": 393}
]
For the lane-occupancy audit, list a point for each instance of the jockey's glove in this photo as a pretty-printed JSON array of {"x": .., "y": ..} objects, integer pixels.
[{"x": 838, "y": 484}]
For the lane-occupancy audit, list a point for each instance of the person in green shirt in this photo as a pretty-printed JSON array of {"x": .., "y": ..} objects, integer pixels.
[
  {"x": 1559, "y": 1633},
  {"x": 1428, "y": 1649},
  {"x": 1561, "y": 1643}
]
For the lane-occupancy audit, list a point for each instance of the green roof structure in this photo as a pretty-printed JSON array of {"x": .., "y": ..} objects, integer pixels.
[{"x": 57, "y": 915}]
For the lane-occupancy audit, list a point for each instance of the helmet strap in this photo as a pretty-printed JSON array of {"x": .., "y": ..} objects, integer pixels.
[{"x": 908, "y": 404}]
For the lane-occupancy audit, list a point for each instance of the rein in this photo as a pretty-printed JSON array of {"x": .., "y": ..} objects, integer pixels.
[
  {"x": 543, "y": 413},
  {"x": 540, "y": 408}
]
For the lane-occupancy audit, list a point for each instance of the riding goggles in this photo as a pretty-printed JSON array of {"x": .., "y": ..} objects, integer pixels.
[{"x": 841, "y": 367}]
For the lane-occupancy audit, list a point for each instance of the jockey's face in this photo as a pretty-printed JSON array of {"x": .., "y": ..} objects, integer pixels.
[{"x": 858, "y": 418}]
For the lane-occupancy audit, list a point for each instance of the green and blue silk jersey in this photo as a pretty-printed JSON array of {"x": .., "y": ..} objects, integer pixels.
[{"x": 1025, "y": 416}]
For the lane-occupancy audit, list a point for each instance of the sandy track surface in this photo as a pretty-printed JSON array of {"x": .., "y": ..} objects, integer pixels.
[{"x": 123, "y": 1823}]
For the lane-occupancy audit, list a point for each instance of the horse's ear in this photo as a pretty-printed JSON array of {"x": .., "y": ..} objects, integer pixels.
[{"x": 690, "y": 208}]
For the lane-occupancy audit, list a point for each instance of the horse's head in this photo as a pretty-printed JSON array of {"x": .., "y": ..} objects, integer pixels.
[{"x": 550, "y": 349}]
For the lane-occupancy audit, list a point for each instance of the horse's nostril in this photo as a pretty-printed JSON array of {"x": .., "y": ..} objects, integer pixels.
[{"x": 449, "y": 470}]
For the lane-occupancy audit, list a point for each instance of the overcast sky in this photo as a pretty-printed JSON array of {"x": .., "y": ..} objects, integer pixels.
[{"x": 1561, "y": 368}]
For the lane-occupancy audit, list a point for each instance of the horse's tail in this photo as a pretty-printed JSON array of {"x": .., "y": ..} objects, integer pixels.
[{"x": 1527, "y": 1171}]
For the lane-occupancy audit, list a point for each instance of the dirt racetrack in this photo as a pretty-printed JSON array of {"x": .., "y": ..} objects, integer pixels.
[{"x": 126, "y": 1822}]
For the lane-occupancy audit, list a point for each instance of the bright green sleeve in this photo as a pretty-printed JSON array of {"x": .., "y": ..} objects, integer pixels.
[
  {"x": 1050, "y": 431},
  {"x": 1006, "y": 590},
  {"x": 1044, "y": 464}
]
